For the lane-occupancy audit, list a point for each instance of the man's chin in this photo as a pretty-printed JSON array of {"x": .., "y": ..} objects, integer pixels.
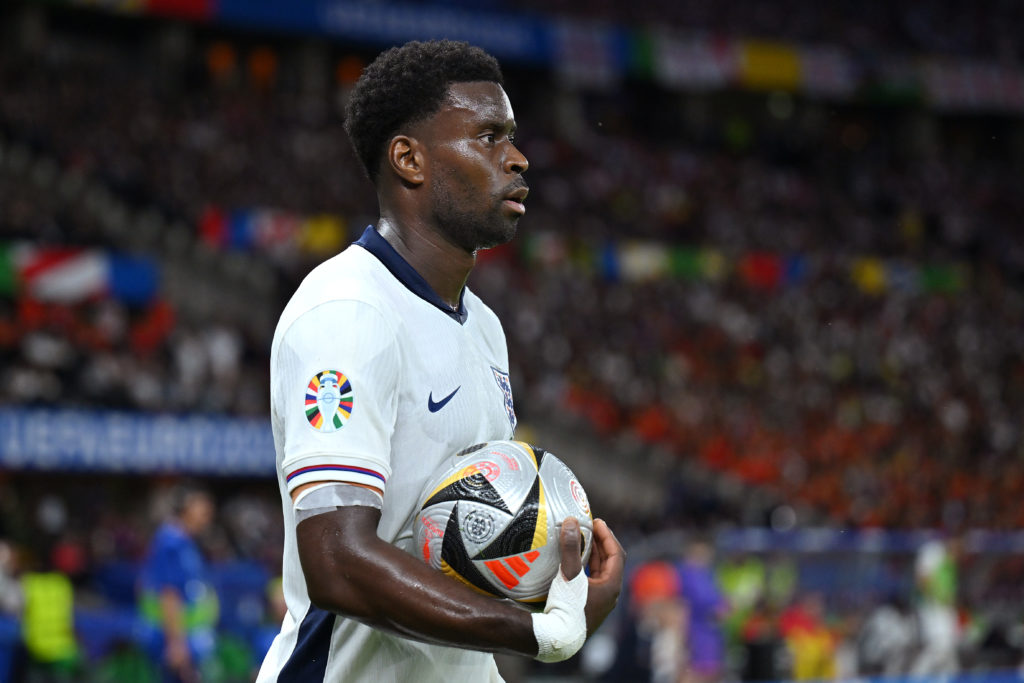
[
  {"x": 498, "y": 238},
  {"x": 474, "y": 237}
]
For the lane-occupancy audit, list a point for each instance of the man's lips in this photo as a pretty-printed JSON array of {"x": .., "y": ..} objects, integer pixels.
[
  {"x": 514, "y": 199},
  {"x": 515, "y": 206}
]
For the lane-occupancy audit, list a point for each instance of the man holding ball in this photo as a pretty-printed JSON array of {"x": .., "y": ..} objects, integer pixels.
[{"x": 383, "y": 365}]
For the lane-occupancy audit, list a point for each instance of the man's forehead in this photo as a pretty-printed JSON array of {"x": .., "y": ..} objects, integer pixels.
[{"x": 484, "y": 98}]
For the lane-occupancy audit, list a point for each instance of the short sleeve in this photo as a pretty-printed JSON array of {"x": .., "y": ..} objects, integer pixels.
[
  {"x": 335, "y": 377},
  {"x": 164, "y": 567}
]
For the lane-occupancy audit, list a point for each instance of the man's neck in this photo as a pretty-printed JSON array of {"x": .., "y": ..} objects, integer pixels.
[{"x": 443, "y": 265}]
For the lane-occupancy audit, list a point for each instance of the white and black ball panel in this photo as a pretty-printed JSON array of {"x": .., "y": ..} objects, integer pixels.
[
  {"x": 454, "y": 559},
  {"x": 509, "y": 467},
  {"x": 430, "y": 527},
  {"x": 566, "y": 498},
  {"x": 473, "y": 487},
  {"x": 520, "y": 531},
  {"x": 490, "y": 518},
  {"x": 482, "y": 527},
  {"x": 470, "y": 449}
]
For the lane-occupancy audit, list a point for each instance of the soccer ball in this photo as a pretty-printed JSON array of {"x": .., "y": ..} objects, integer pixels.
[{"x": 490, "y": 518}]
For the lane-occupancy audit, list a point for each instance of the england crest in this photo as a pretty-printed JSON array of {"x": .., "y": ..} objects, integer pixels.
[{"x": 506, "y": 389}]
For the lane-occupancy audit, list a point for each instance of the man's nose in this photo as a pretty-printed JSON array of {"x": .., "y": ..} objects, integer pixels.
[{"x": 515, "y": 162}]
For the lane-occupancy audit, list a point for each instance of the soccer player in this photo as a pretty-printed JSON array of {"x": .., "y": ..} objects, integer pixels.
[{"x": 383, "y": 365}]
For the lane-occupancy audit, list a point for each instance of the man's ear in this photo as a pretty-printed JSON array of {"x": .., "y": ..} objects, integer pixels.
[{"x": 405, "y": 156}]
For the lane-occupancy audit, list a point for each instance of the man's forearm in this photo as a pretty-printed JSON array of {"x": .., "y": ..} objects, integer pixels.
[
  {"x": 172, "y": 613},
  {"x": 354, "y": 573}
]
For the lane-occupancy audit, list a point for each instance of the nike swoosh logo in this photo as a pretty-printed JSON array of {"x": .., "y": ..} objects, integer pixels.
[{"x": 433, "y": 406}]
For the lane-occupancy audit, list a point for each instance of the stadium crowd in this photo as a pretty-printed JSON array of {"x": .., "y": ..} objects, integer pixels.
[
  {"x": 866, "y": 393},
  {"x": 984, "y": 29},
  {"x": 827, "y": 384}
]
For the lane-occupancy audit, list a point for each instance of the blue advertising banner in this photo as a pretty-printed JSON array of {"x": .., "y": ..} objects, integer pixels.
[{"x": 49, "y": 439}]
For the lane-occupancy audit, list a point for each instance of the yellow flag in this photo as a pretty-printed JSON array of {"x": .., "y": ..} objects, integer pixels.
[{"x": 769, "y": 66}]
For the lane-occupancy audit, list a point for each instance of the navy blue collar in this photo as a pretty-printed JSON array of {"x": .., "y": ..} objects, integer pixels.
[{"x": 372, "y": 242}]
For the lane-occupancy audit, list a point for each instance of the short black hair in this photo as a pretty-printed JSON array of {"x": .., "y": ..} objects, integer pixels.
[
  {"x": 407, "y": 84},
  {"x": 183, "y": 492}
]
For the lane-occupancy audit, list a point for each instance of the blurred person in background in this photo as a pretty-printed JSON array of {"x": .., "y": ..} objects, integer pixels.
[
  {"x": 176, "y": 595},
  {"x": 742, "y": 579},
  {"x": 811, "y": 644},
  {"x": 887, "y": 639},
  {"x": 12, "y": 603},
  {"x": 935, "y": 573},
  {"x": 48, "y": 623},
  {"x": 707, "y": 608},
  {"x": 652, "y": 642},
  {"x": 758, "y": 636}
]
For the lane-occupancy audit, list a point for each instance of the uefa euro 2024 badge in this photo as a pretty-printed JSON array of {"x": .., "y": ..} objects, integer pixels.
[{"x": 328, "y": 401}]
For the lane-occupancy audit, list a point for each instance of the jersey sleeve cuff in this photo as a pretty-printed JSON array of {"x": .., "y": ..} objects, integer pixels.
[{"x": 344, "y": 469}]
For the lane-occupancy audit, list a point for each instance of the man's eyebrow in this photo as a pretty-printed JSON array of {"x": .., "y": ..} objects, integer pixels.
[{"x": 495, "y": 124}]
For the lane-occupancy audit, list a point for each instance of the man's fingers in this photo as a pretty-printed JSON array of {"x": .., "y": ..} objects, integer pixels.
[
  {"x": 606, "y": 537},
  {"x": 569, "y": 542},
  {"x": 607, "y": 553},
  {"x": 607, "y": 565}
]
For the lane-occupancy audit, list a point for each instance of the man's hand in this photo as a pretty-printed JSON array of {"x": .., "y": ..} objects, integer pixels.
[
  {"x": 607, "y": 565},
  {"x": 176, "y": 652},
  {"x": 179, "y": 660}
]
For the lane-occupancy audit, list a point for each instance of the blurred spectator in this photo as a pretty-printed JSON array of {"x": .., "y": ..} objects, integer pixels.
[
  {"x": 276, "y": 611},
  {"x": 48, "y": 627},
  {"x": 812, "y": 645},
  {"x": 936, "y": 574},
  {"x": 12, "y": 604},
  {"x": 176, "y": 594},
  {"x": 758, "y": 636},
  {"x": 999, "y": 645},
  {"x": 743, "y": 580},
  {"x": 706, "y": 610},
  {"x": 652, "y": 642},
  {"x": 888, "y": 639}
]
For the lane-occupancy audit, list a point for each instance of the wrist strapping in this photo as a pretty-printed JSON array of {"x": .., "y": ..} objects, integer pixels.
[{"x": 562, "y": 627}]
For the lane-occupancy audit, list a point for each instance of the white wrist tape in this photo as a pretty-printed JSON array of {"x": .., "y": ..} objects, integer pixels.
[{"x": 562, "y": 628}]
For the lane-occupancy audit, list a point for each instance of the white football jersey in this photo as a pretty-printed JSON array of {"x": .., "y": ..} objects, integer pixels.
[{"x": 375, "y": 380}]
